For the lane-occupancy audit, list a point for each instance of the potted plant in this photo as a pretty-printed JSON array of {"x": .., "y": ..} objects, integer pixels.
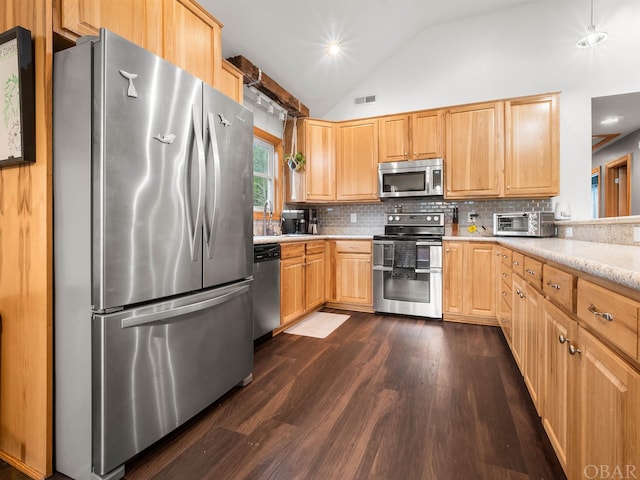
[{"x": 296, "y": 162}]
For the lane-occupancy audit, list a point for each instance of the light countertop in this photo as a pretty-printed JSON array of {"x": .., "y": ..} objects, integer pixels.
[{"x": 613, "y": 262}]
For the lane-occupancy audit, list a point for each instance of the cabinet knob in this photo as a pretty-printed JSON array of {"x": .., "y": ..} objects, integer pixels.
[
  {"x": 530, "y": 272},
  {"x": 573, "y": 350},
  {"x": 516, "y": 263},
  {"x": 562, "y": 339},
  {"x": 607, "y": 316},
  {"x": 447, "y": 250}
]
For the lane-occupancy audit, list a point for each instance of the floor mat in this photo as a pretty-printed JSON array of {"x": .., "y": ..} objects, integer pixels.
[{"x": 318, "y": 324}]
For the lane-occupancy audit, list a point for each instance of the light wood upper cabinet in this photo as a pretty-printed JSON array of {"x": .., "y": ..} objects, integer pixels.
[
  {"x": 532, "y": 147},
  {"x": 136, "y": 21},
  {"x": 474, "y": 157},
  {"x": 412, "y": 136},
  {"x": 357, "y": 160},
  {"x": 192, "y": 40},
  {"x": 316, "y": 139},
  {"x": 231, "y": 81},
  {"x": 427, "y": 134},
  {"x": 393, "y": 140}
]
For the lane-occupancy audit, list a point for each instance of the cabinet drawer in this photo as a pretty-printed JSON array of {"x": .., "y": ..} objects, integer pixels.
[
  {"x": 505, "y": 273},
  {"x": 613, "y": 316},
  {"x": 505, "y": 294},
  {"x": 314, "y": 247},
  {"x": 517, "y": 263},
  {"x": 559, "y": 286},
  {"x": 350, "y": 246},
  {"x": 290, "y": 250},
  {"x": 505, "y": 257},
  {"x": 533, "y": 272}
]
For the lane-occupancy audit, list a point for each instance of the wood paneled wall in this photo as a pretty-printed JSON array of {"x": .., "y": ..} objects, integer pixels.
[{"x": 26, "y": 282}]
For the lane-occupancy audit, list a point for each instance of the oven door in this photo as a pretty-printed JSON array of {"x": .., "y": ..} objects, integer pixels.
[{"x": 416, "y": 291}]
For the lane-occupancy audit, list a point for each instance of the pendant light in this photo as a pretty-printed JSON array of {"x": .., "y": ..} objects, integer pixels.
[{"x": 592, "y": 37}]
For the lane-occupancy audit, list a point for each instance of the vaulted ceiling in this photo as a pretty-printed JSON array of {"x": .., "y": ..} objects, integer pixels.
[{"x": 287, "y": 39}]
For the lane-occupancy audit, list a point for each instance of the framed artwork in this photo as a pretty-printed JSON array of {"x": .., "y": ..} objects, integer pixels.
[{"x": 17, "y": 119}]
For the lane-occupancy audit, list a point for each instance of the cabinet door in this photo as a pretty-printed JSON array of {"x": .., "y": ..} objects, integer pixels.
[
  {"x": 554, "y": 387},
  {"x": 320, "y": 172},
  {"x": 532, "y": 347},
  {"x": 453, "y": 277},
  {"x": 532, "y": 165},
  {"x": 518, "y": 324},
  {"x": 427, "y": 139},
  {"x": 292, "y": 280},
  {"x": 314, "y": 281},
  {"x": 192, "y": 40},
  {"x": 607, "y": 412},
  {"x": 474, "y": 150},
  {"x": 136, "y": 21},
  {"x": 479, "y": 288},
  {"x": 357, "y": 160},
  {"x": 353, "y": 278},
  {"x": 393, "y": 141},
  {"x": 231, "y": 81}
]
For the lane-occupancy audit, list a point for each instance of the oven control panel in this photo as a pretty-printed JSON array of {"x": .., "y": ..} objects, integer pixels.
[{"x": 432, "y": 219}]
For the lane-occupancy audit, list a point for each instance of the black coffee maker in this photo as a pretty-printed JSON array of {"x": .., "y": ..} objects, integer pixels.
[{"x": 295, "y": 221}]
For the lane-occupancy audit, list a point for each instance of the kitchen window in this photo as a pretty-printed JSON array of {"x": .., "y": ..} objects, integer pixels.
[{"x": 267, "y": 149}]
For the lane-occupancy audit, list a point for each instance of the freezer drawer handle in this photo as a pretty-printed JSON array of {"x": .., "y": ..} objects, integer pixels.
[{"x": 138, "y": 320}]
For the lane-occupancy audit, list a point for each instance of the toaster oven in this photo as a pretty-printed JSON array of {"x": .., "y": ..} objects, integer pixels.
[{"x": 524, "y": 224}]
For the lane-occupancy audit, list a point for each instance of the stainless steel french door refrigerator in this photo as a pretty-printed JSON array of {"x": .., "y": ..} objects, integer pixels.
[{"x": 153, "y": 251}]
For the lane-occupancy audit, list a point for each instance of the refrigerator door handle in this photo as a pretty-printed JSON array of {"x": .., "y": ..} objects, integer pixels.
[
  {"x": 194, "y": 227},
  {"x": 210, "y": 216},
  {"x": 138, "y": 320}
]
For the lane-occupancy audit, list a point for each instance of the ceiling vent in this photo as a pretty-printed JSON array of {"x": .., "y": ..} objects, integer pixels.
[{"x": 365, "y": 100}]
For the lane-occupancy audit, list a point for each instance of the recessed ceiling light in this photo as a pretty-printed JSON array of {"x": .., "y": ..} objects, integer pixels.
[
  {"x": 334, "y": 49},
  {"x": 610, "y": 120}
]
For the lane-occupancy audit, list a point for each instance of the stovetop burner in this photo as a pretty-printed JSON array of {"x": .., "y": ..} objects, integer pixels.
[{"x": 413, "y": 226}]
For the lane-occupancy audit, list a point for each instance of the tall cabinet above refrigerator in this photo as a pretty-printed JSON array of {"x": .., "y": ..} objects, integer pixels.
[{"x": 153, "y": 251}]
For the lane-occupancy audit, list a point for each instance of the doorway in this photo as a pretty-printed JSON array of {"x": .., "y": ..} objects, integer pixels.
[
  {"x": 595, "y": 192},
  {"x": 617, "y": 191}
]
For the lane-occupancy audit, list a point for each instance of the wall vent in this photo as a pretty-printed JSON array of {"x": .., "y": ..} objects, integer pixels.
[{"x": 365, "y": 100}]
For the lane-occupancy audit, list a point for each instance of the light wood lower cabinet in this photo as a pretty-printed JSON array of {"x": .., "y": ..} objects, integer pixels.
[
  {"x": 351, "y": 273},
  {"x": 606, "y": 412},
  {"x": 468, "y": 282},
  {"x": 557, "y": 330},
  {"x": 302, "y": 268}
]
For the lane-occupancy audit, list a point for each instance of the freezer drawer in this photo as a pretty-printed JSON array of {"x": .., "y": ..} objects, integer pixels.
[{"x": 157, "y": 366}]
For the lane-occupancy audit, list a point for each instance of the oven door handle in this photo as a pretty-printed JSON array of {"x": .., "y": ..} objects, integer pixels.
[
  {"x": 432, "y": 243},
  {"x": 381, "y": 268},
  {"x": 429, "y": 270}
]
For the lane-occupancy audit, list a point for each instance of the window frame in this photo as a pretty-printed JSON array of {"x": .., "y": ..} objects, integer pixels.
[{"x": 277, "y": 172}]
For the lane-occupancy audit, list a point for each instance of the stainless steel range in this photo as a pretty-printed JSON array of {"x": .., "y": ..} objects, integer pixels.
[{"x": 407, "y": 265}]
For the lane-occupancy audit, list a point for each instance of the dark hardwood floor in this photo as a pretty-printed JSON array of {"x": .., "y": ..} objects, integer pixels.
[{"x": 383, "y": 397}]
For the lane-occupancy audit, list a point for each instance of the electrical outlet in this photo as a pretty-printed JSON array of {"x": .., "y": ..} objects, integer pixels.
[
  {"x": 636, "y": 234},
  {"x": 471, "y": 217},
  {"x": 354, "y": 217},
  {"x": 568, "y": 233}
]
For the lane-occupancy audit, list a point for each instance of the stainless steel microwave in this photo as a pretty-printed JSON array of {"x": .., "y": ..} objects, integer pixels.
[
  {"x": 411, "y": 178},
  {"x": 524, "y": 224}
]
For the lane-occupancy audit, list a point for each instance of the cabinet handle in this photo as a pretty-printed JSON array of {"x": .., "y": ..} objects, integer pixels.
[
  {"x": 504, "y": 256},
  {"x": 563, "y": 339},
  {"x": 504, "y": 294},
  {"x": 520, "y": 293},
  {"x": 553, "y": 285},
  {"x": 497, "y": 254},
  {"x": 530, "y": 272},
  {"x": 607, "y": 316},
  {"x": 573, "y": 350},
  {"x": 516, "y": 263},
  {"x": 447, "y": 250}
]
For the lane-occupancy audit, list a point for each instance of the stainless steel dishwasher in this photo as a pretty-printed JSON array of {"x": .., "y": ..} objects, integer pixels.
[{"x": 266, "y": 288}]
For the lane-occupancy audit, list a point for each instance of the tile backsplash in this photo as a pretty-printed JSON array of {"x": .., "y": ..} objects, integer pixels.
[{"x": 369, "y": 218}]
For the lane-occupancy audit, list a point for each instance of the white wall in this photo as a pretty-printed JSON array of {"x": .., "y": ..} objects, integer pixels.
[{"x": 518, "y": 51}]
